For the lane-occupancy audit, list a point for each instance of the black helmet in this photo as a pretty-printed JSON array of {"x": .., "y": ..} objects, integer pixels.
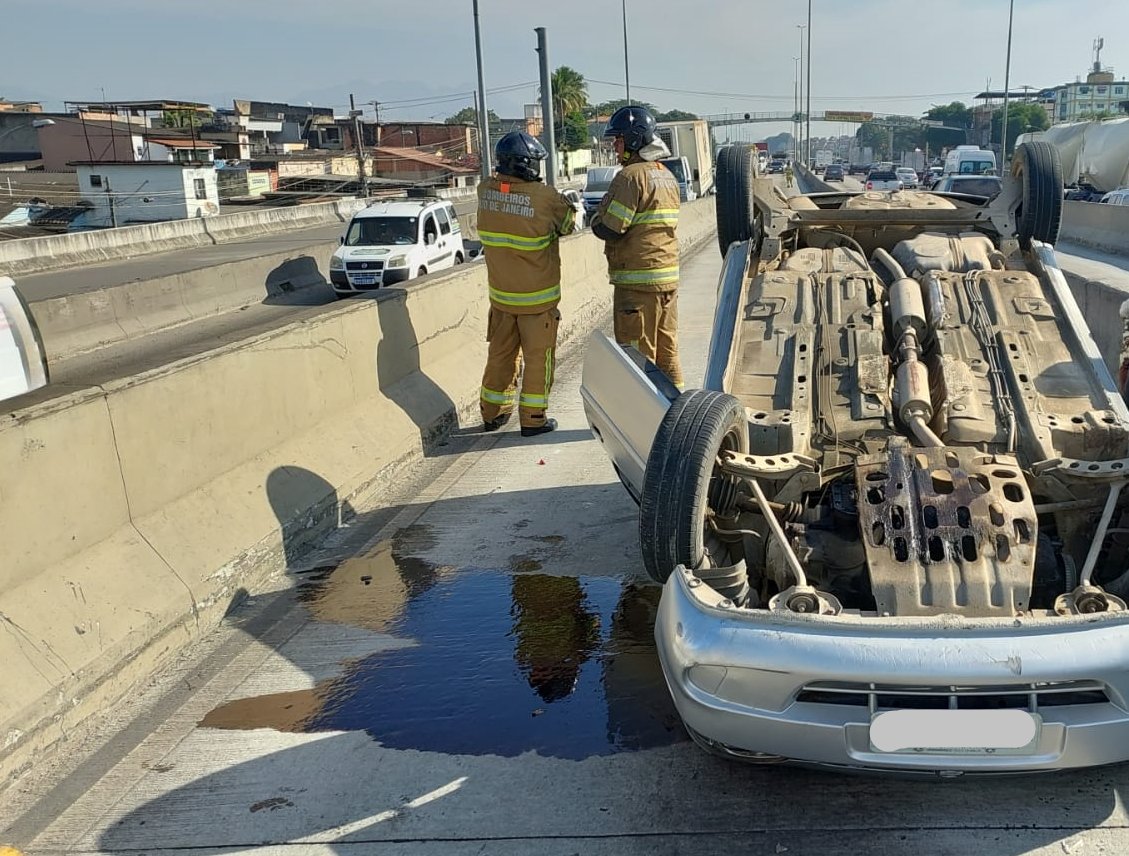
[
  {"x": 635, "y": 124},
  {"x": 520, "y": 155}
]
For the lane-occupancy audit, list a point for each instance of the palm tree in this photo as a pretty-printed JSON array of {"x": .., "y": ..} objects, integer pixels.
[{"x": 570, "y": 92}]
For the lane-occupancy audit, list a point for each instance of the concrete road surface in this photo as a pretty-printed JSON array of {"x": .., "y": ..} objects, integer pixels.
[{"x": 467, "y": 667}]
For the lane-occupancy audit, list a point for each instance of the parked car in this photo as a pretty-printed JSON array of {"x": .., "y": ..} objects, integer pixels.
[
  {"x": 577, "y": 202},
  {"x": 883, "y": 180},
  {"x": 1117, "y": 197},
  {"x": 907, "y": 176},
  {"x": 596, "y": 184},
  {"x": 834, "y": 172},
  {"x": 392, "y": 242},
  {"x": 887, "y": 537},
  {"x": 988, "y": 186}
]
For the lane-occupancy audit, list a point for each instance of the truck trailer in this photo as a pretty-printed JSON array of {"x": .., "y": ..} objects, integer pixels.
[{"x": 691, "y": 140}]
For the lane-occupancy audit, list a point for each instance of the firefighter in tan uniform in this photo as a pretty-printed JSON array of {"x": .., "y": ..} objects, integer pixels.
[
  {"x": 637, "y": 221},
  {"x": 519, "y": 222}
]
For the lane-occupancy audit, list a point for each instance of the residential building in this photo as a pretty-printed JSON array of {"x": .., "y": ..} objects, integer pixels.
[
  {"x": 130, "y": 192},
  {"x": 1101, "y": 93},
  {"x": 418, "y": 167},
  {"x": 20, "y": 106},
  {"x": 71, "y": 139}
]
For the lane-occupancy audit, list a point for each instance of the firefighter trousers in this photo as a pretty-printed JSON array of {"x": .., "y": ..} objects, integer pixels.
[
  {"x": 514, "y": 339},
  {"x": 648, "y": 321}
]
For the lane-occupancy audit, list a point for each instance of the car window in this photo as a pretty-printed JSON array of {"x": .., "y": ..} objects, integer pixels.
[
  {"x": 444, "y": 223},
  {"x": 882, "y": 176},
  {"x": 429, "y": 228},
  {"x": 987, "y": 186},
  {"x": 376, "y": 231}
]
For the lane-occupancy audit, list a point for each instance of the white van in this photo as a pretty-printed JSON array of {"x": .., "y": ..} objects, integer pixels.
[
  {"x": 392, "y": 242},
  {"x": 596, "y": 185},
  {"x": 970, "y": 160}
]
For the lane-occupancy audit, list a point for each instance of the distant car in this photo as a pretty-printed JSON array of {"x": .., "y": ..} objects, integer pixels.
[
  {"x": 1117, "y": 197},
  {"x": 577, "y": 202},
  {"x": 858, "y": 169},
  {"x": 907, "y": 176},
  {"x": 1083, "y": 193},
  {"x": 833, "y": 173},
  {"x": 775, "y": 166},
  {"x": 883, "y": 180},
  {"x": 987, "y": 186},
  {"x": 932, "y": 176}
]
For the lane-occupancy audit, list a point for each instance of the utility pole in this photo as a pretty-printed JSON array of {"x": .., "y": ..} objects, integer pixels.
[
  {"x": 626, "y": 66},
  {"x": 807, "y": 132},
  {"x": 800, "y": 100},
  {"x": 1007, "y": 84},
  {"x": 355, "y": 115},
  {"x": 110, "y": 199},
  {"x": 549, "y": 134},
  {"x": 483, "y": 115}
]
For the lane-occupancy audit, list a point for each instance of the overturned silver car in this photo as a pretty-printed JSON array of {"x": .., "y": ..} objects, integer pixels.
[{"x": 891, "y": 527}]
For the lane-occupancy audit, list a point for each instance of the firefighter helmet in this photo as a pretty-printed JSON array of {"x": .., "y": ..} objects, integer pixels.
[
  {"x": 520, "y": 155},
  {"x": 635, "y": 124}
]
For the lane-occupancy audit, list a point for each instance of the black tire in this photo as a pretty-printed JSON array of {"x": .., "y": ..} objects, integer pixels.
[
  {"x": 680, "y": 469},
  {"x": 1039, "y": 215},
  {"x": 421, "y": 272},
  {"x": 736, "y": 167},
  {"x": 459, "y": 258}
]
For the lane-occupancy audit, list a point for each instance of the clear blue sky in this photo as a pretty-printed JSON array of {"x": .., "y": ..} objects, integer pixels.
[{"x": 867, "y": 54}]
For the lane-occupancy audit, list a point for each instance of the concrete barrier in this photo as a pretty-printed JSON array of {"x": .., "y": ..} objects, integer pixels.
[
  {"x": 133, "y": 513},
  {"x": 36, "y": 255},
  {"x": 1103, "y": 227},
  {"x": 77, "y": 323}
]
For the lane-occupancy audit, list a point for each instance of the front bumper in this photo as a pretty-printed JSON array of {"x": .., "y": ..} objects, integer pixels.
[
  {"x": 744, "y": 682},
  {"x": 344, "y": 284}
]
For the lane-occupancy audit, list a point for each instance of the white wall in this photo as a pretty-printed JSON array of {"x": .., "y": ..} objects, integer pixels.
[
  {"x": 209, "y": 206},
  {"x": 146, "y": 193}
]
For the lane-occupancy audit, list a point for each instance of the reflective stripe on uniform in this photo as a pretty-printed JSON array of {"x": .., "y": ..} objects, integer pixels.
[
  {"x": 657, "y": 216},
  {"x": 525, "y": 298},
  {"x": 569, "y": 221},
  {"x": 657, "y": 276},
  {"x": 538, "y": 402},
  {"x": 548, "y": 371},
  {"x": 492, "y": 396},
  {"x": 621, "y": 212},
  {"x": 502, "y": 240}
]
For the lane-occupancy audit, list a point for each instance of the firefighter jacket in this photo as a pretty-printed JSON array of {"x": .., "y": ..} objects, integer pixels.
[
  {"x": 642, "y": 205},
  {"x": 519, "y": 223}
]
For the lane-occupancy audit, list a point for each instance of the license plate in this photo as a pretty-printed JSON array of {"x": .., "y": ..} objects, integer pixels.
[
  {"x": 364, "y": 279},
  {"x": 955, "y": 732}
]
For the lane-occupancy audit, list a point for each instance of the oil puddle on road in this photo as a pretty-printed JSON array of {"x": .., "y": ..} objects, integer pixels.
[{"x": 503, "y": 663}]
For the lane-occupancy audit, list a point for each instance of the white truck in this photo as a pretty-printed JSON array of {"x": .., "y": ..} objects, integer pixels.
[
  {"x": 823, "y": 159},
  {"x": 691, "y": 140}
]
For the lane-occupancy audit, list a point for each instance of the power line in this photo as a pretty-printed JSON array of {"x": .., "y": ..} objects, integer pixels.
[{"x": 785, "y": 98}]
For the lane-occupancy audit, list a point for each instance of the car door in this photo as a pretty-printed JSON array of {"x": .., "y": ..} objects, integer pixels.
[
  {"x": 434, "y": 244},
  {"x": 445, "y": 258}
]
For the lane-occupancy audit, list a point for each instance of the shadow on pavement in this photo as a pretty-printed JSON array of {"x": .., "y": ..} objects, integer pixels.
[
  {"x": 458, "y": 663},
  {"x": 297, "y": 282}
]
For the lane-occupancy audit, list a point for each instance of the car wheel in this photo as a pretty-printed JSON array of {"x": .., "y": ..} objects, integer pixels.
[
  {"x": 421, "y": 272},
  {"x": 682, "y": 486},
  {"x": 734, "y": 202},
  {"x": 458, "y": 258},
  {"x": 1039, "y": 215}
]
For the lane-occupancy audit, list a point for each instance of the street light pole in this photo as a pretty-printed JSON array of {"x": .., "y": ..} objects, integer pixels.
[
  {"x": 796, "y": 99},
  {"x": 626, "y": 67},
  {"x": 1007, "y": 84},
  {"x": 483, "y": 116},
  {"x": 807, "y": 131},
  {"x": 800, "y": 97}
]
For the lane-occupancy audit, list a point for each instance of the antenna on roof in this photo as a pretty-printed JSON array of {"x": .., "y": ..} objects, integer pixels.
[{"x": 1099, "y": 43}]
